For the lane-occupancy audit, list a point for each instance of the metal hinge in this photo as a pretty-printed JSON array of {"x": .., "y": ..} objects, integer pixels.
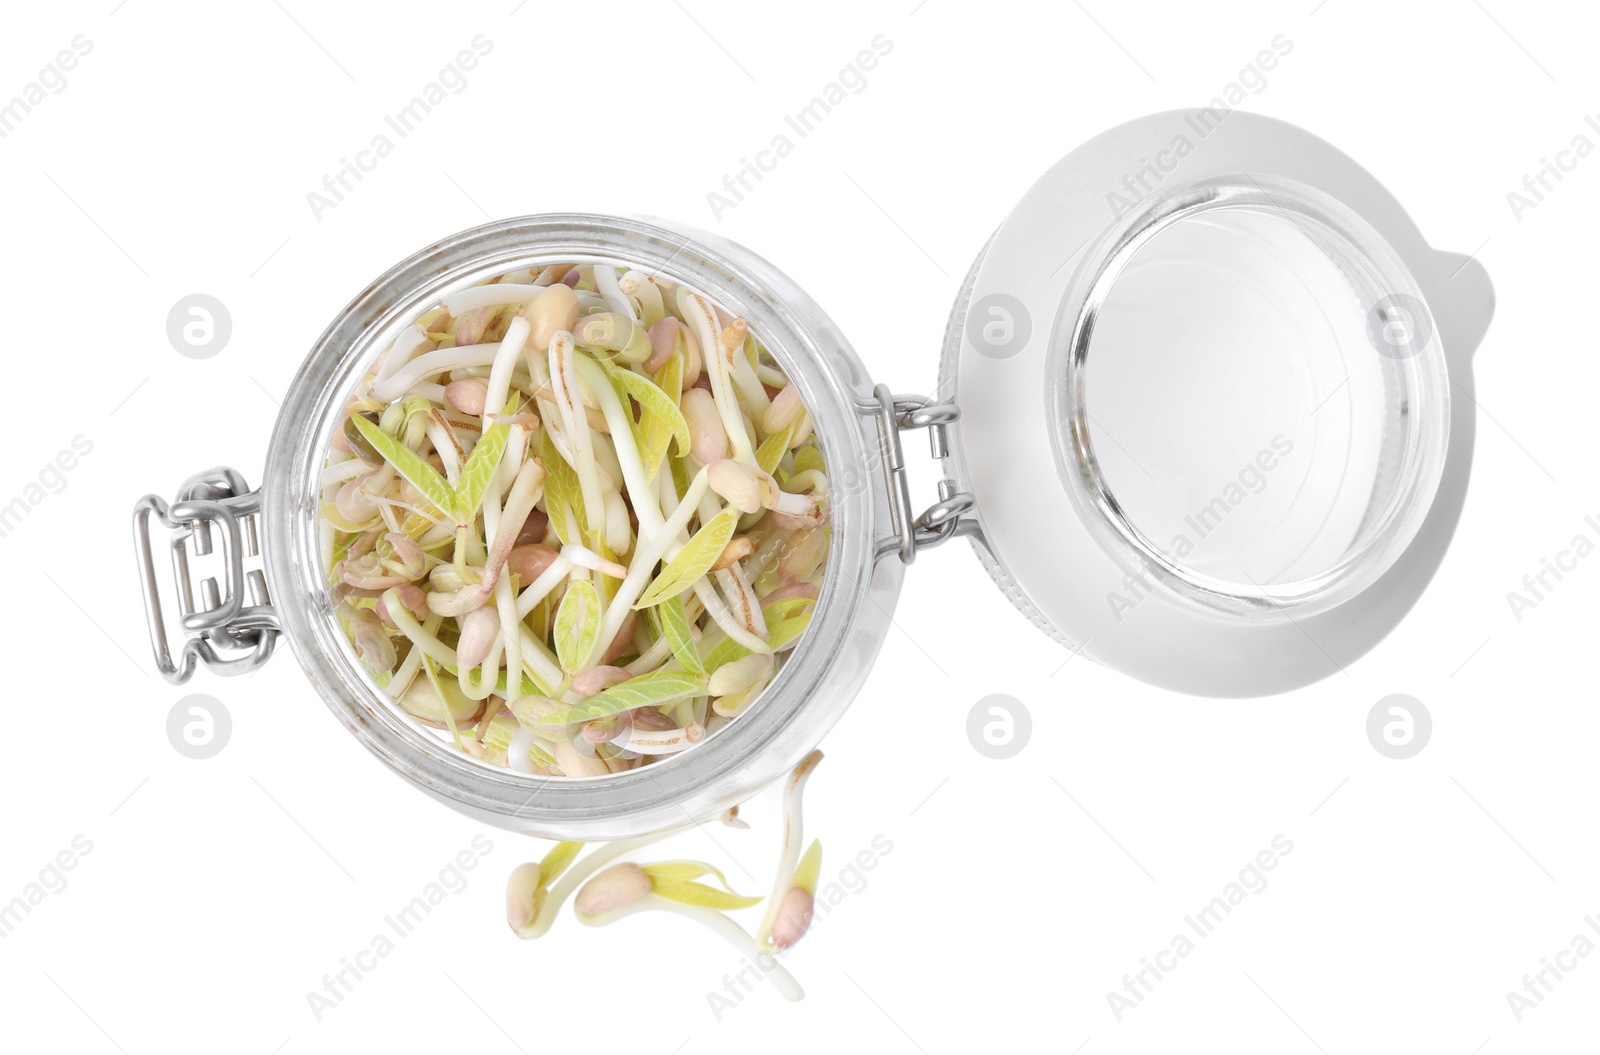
[
  {"x": 941, "y": 521},
  {"x": 230, "y": 636}
]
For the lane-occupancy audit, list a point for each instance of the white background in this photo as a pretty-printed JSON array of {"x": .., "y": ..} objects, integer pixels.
[{"x": 1018, "y": 893}]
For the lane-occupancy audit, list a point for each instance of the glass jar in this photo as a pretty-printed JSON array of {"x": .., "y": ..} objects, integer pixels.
[{"x": 1266, "y": 277}]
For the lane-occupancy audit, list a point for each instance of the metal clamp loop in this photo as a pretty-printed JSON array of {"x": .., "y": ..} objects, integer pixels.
[
  {"x": 941, "y": 521},
  {"x": 224, "y": 632}
]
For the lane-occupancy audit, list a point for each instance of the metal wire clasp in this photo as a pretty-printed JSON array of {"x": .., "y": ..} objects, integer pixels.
[
  {"x": 232, "y": 637},
  {"x": 942, "y": 520}
]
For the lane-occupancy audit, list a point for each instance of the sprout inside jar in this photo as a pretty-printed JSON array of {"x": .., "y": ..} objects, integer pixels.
[{"x": 574, "y": 518}]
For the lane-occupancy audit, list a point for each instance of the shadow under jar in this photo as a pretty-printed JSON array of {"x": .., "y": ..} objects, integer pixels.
[{"x": 1120, "y": 349}]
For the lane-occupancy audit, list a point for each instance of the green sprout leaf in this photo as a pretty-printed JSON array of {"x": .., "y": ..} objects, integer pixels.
[
  {"x": 479, "y": 471},
  {"x": 562, "y": 492},
  {"x": 675, "y": 625},
  {"x": 499, "y": 733},
  {"x": 555, "y": 862},
  {"x": 809, "y": 868},
  {"x": 660, "y": 424},
  {"x": 724, "y": 652},
  {"x": 772, "y": 449},
  {"x": 577, "y": 624},
  {"x": 655, "y": 689},
  {"x": 787, "y": 620},
  {"x": 675, "y": 880},
  {"x": 808, "y": 458},
  {"x": 680, "y": 474},
  {"x": 408, "y": 464},
  {"x": 693, "y": 561},
  {"x": 688, "y": 892}
]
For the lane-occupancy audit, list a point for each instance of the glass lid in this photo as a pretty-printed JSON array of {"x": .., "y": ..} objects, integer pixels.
[{"x": 1244, "y": 465}]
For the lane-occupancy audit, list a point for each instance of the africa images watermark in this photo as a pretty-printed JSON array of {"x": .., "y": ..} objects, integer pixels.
[
  {"x": 50, "y": 480},
  {"x": 1539, "y": 985},
  {"x": 1152, "y": 172},
  {"x": 1542, "y": 181},
  {"x": 452, "y": 80},
  {"x": 1252, "y": 879},
  {"x": 852, "y": 80},
  {"x": 451, "y": 880},
  {"x": 52, "y": 879},
  {"x": 1538, "y": 585},
  {"x": 1250, "y": 481},
  {"x": 51, "y": 80},
  {"x": 752, "y": 972}
]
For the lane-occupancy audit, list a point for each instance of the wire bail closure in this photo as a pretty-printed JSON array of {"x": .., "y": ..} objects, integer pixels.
[
  {"x": 228, "y": 635},
  {"x": 944, "y": 519}
]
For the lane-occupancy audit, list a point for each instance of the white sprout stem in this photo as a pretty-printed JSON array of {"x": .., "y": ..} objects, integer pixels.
[
  {"x": 605, "y": 283},
  {"x": 737, "y": 936},
  {"x": 725, "y": 618},
  {"x": 584, "y": 557},
  {"x": 749, "y": 385},
  {"x": 430, "y": 363},
  {"x": 793, "y": 504},
  {"x": 515, "y": 451},
  {"x": 401, "y": 679},
  {"x": 436, "y": 535},
  {"x": 422, "y": 639},
  {"x": 542, "y": 665},
  {"x": 326, "y": 535},
  {"x": 564, "y": 379},
  {"x": 650, "y": 658},
  {"x": 540, "y": 588},
  {"x": 710, "y": 505},
  {"x": 339, "y": 472},
  {"x": 505, "y": 365},
  {"x": 517, "y": 759},
  {"x": 619, "y": 532},
  {"x": 484, "y": 686},
  {"x": 476, "y": 297},
  {"x": 789, "y": 855},
  {"x": 525, "y": 492},
  {"x": 703, "y": 317},
  {"x": 638, "y": 284},
  {"x": 646, "y": 555},
  {"x": 654, "y": 742},
  {"x": 444, "y": 441},
  {"x": 510, "y": 633},
  {"x": 737, "y": 590},
  {"x": 404, "y": 347},
  {"x": 429, "y": 390},
  {"x": 606, "y": 466},
  {"x": 633, "y": 474}
]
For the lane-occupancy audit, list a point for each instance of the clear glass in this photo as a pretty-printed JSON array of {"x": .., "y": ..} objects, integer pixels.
[
  {"x": 811, "y": 690},
  {"x": 1255, "y": 408}
]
